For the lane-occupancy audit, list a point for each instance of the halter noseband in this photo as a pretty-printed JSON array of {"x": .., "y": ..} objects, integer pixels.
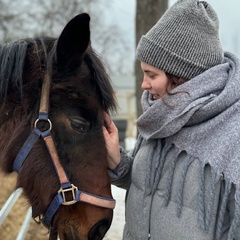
[{"x": 66, "y": 186}]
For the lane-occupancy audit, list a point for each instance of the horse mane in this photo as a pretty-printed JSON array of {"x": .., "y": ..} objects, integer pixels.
[
  {"x": 12, "y": 63},
  {"x": 11, "y": 66},
  {"x": 23, "y": 64},
  {"x": 13, "y": 57}
]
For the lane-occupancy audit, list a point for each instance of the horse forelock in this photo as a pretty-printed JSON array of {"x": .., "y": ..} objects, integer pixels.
[{"x": 101, "y": 80}]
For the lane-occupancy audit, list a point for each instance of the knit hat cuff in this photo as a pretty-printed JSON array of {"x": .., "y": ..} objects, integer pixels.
[{"x": 164, "y": 59}]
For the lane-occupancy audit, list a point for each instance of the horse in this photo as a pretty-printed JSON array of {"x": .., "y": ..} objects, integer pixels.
[{"x": 54, "y": 94}]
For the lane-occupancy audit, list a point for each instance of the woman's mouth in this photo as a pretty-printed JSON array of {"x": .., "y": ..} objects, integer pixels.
[{"x": 155, "y": 96}]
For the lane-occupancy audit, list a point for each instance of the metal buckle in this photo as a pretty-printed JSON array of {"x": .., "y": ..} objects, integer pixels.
[
  {"x": 72, "y": 189},
  {"x": 38, "y": 219}
]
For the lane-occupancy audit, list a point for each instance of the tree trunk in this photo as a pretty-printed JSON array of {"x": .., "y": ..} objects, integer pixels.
[{"x": 148, "y": 13}]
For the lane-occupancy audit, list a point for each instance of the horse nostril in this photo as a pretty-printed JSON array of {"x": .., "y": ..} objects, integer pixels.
[{"x": 98, "y": 231}]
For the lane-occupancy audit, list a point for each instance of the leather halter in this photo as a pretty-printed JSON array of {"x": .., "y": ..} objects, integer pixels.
[{"x": 66, "y": 186}]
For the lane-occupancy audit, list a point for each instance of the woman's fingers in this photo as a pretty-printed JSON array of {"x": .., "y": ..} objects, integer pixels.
[
  {"x": 110, "y": 133},
  {"x": 109, "y": 124}
]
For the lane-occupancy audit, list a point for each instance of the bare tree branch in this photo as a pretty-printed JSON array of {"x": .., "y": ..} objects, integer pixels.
[{"x": 47, "y": 18}]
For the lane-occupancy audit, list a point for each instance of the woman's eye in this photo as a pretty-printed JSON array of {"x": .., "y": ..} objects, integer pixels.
[
  {"x": 80, "y": 125},
  {"x": 152, "y": 76}
]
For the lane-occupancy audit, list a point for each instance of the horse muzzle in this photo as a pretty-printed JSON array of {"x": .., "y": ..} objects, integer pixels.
[{"x": 97, "y": 232}]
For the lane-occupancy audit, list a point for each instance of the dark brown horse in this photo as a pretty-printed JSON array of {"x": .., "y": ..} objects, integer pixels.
[{"x": 53, "y": 95}]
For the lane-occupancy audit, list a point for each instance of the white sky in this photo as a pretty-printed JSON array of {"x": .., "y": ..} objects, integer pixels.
[{"x": 123, "y": 13}]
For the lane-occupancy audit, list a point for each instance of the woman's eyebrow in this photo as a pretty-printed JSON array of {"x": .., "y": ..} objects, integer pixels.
[{"x": 147, "y": 71}]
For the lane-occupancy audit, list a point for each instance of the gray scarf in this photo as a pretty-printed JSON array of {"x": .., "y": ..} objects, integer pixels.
[{"x": 203, "y": 118}]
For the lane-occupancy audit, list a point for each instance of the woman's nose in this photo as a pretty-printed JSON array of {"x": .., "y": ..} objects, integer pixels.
[{"x": 145, "y": 84}]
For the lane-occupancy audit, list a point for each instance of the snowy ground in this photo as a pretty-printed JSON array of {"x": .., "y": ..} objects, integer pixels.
[{"x": 115, "y": 231}]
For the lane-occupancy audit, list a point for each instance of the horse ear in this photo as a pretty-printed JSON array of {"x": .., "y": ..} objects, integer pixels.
[{"x": 73, "y": 42}]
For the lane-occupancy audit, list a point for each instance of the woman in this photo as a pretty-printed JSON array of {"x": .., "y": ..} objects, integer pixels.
[{"x": 183, "y": 175}]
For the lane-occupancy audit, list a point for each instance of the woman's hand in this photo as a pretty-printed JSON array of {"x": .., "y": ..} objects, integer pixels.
[{"x": 110, "y": 133}]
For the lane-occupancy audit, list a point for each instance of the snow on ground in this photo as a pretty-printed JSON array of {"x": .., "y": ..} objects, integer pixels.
[{"x": 116, "y": 229}]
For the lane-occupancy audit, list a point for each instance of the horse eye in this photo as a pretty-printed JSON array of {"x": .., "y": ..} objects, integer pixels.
[{"x": 80, "y": 125}]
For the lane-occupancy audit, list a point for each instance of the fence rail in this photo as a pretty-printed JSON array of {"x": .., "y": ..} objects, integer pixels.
[{"x": 7, "y": 208}]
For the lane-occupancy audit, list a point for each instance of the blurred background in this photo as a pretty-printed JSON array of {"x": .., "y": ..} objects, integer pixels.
[{"x": 116, "y": 26}]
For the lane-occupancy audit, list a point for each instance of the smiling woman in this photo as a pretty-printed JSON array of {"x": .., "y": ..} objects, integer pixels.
[{"x": 155, "y": 81}]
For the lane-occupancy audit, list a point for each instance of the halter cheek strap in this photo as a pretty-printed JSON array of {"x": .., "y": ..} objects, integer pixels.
[
  {"x": 66, "y": 186},
  {"x": 29, "y": 143}
]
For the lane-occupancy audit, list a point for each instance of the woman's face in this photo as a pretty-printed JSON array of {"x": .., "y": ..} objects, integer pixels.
[{"x": 154, "y": 80}]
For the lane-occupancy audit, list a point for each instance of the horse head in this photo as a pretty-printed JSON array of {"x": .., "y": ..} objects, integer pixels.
[{"x": 53, "y": 95}]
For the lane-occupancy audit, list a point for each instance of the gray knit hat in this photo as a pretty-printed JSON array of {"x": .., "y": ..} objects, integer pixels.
[{"x": 185, "y": 41}]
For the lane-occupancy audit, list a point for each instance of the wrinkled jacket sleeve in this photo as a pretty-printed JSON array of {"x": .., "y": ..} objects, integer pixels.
[{"x": 121, "y": 175}]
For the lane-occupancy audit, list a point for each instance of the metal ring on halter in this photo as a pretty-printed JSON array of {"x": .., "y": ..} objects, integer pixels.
[{"x": 48, "y": 120}]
